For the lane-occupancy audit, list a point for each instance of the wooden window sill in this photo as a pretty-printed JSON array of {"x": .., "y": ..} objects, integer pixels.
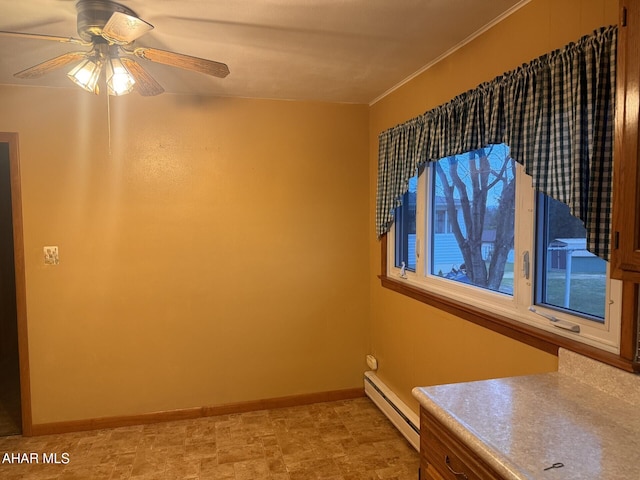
[{"x": 529, "y": 335}]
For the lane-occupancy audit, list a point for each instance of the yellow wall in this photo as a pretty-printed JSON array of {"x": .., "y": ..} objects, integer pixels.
[
  {"x": 416, "y": 344},
  {"x": 215, "y": 256}
]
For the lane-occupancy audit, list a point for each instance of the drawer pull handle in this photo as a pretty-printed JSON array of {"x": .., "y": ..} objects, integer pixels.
[{"x": 447, "y": 461}]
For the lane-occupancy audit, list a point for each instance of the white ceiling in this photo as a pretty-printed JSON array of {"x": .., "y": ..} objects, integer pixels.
[{"x": 350, "y": 51}]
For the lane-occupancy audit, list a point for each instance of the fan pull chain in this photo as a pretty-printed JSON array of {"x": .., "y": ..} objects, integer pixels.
[{"x": 109, "y": 122}]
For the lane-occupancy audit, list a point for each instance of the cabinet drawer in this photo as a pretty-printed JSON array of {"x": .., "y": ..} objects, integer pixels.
[{"x": 448, "y": 456}]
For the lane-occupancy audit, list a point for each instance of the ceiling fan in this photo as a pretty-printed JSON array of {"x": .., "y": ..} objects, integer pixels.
[{"x": 110, "y": 29}]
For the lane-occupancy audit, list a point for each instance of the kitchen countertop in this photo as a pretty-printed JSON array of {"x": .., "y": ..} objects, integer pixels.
[{"x": 586, "y": 416}]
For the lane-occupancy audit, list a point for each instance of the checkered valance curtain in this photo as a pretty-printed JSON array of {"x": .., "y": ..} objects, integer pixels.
[{"x": 555, "y": 113}]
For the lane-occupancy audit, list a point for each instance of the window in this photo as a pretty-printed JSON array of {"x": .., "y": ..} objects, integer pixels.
[
  {"x": 568, "y": 277},
  {"x": 475, "y": 192},
  {"x": 471, "y": 228},
  {"x": 405, "y": 233}
]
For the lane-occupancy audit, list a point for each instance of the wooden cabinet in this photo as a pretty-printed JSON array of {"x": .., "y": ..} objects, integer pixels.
[
  {"x": 625, "y": 245},
  {"x": 444, "y": 457},
  {"x": 625, "y": 253}
]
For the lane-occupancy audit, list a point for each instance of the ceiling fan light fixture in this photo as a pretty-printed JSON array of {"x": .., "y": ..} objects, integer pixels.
[
  {"x": 110, "y": 29},
  {"x": 86, "y": 74},
  {"x": 119, "y": 79}
]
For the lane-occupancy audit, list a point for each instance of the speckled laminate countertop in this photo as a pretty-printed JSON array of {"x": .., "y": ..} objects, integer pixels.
[{"x": 586, "y": 416}]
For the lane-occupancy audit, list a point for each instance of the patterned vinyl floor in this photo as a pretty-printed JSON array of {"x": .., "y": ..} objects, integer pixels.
[{"x": 343, "y": 440}]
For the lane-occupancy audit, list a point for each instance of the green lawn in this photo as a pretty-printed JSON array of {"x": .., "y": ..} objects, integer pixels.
[{"x": 588, "y": 291}]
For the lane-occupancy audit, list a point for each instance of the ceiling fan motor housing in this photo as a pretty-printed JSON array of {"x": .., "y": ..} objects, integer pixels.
[{"x": 94, "y": 14}]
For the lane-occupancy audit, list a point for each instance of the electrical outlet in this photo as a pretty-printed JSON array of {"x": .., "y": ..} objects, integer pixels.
[{"x": 51, "y": 255}]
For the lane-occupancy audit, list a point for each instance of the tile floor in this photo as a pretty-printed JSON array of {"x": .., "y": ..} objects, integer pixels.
[{"x": 344, "y": 440}]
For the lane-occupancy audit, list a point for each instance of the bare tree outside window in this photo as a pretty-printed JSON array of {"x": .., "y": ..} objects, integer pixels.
[{"x": 477, "y": 190}]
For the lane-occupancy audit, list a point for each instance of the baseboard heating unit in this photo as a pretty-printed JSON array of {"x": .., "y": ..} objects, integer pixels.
[{"x": 404, "y": 419}]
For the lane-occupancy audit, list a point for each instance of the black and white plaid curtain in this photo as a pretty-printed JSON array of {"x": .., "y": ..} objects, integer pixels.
[{"x": 555, "y": 113}]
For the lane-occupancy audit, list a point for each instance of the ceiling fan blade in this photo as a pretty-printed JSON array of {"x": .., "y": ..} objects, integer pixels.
[
  {"x": 49, "y": 65},
  {"x": 122, "y": 29},
  {"x": 37, "y": 36},
  {"x": 145, "y": 83},
  {"x": 208, "y": 67}
]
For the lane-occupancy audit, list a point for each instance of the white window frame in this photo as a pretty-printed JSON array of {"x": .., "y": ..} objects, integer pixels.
[{"x": 605, "y": 336}]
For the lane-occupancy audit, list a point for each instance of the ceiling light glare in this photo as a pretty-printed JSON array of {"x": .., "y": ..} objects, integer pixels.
[
  {"x": 119, "y": 79},
  {"x": 86, "y": 75}
]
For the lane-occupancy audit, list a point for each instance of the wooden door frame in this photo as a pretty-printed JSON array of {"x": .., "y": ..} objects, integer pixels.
[{"x": 21, "y": 297}]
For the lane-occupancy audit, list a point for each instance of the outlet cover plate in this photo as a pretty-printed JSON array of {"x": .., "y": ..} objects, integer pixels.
[{"x": 51, "y": 256}]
